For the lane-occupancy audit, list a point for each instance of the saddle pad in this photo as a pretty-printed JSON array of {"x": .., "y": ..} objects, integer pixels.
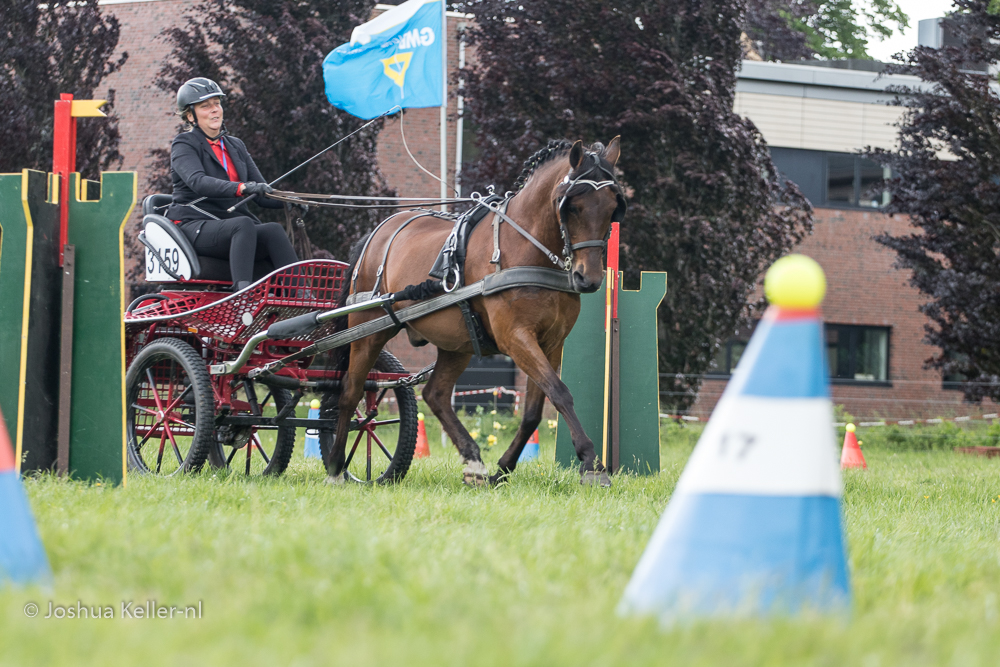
[{"x": 448, "y": 259}]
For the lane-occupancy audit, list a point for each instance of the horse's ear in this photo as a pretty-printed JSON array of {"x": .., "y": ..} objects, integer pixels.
[
  {"x": 576, "y": 155},
  {"x": 613, "y": 151}
]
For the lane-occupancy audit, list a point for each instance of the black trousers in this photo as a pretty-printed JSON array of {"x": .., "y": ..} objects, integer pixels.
[{"x": 242, "y": 240}]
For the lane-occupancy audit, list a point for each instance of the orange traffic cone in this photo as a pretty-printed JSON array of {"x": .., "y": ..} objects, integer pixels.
[
  {"x": 851, "y": 456},
  {"x": 422, "y": 449}
]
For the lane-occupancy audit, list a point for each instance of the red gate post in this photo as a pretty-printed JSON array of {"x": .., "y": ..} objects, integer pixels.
[
  {"x": 67, "y": 110},
  {"x": 64, "y": 152},
  {"x": 612, "y": 379}
]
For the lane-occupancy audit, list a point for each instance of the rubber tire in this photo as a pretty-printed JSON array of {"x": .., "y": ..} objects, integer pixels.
[
  {"x": 284, "y": 443},
  {"x": 204, "y": 400},
  {"x": 406, "y": 443}
]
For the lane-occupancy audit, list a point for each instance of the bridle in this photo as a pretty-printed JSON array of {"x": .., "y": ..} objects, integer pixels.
[
  {"x": 569, "y": 188},
  {"x": 567, "y": 193}
]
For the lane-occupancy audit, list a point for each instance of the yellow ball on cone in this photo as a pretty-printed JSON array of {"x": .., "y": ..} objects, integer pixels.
[{"x": 795, "y": 281}]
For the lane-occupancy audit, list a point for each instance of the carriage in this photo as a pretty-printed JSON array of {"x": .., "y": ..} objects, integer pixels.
[
  {"x": 183, "y": 407},
  {"x": 224, "y": 372}
]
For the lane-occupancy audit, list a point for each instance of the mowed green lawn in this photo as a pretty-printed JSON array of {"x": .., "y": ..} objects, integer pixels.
[{"x": 290, "y": 571}]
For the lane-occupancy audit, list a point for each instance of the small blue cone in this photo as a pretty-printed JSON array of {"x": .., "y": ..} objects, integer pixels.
[
  {"x": 22, "y": 557},
  {"x": 754, "y": 525},
  {"x": 530, "y": 451},
  {"x": 312, "y": 435}
]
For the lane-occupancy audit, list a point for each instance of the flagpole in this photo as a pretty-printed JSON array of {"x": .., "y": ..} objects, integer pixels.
[{"x": 444, "y": 104}]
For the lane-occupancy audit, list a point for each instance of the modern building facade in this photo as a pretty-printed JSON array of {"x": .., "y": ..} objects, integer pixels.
[{"x": 816, "y": 121}]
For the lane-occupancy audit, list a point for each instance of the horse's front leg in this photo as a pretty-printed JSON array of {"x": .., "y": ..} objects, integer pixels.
[
  {"x": 534, "y": 401},
  {"x": 524, "y": 349},
  {"x": 437, "y": 395}
]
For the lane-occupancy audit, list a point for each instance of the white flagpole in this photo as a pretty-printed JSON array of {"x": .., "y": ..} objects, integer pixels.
[{"x": 444, "y": 104}]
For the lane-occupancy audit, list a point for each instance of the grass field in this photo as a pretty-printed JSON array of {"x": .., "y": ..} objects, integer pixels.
[{"x": 290, "y": 571}]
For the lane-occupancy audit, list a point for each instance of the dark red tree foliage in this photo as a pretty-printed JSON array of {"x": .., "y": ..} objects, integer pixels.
[
  {"x": 47, "y": 49},
  {"x": 953, "y": 201},
  {"x": 706, "y": 203},
  {"x": 272, "y": 73}
]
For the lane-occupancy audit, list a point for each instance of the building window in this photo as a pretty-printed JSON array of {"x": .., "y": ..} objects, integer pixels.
[
  {"x": 857, "y": 353},
  {"x": 727, "y": 357},
  {"x": 850, "y": 180}
]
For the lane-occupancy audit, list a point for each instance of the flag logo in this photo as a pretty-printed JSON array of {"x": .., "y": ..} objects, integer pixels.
[
  {"x": 392, "y": 60},
  {"x": 398, "y": 76}
]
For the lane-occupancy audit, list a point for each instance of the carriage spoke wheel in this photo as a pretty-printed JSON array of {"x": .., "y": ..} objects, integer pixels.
[
  {"x": 383, "y": 432},
  {"x": 251, "y": 450},
  {"x": 170, "y": 409}
]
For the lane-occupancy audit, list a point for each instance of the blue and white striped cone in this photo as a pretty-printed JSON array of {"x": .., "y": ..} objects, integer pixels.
[
  {"x": 530, "y": 451},
  {"x": 312, "y": 435},
  {"x": 754, "y": 525},
  {"x": 22, "y": 556}
]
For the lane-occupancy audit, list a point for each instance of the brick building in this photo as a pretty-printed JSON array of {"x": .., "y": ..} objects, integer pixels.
[{"x": 814, "y": 118}]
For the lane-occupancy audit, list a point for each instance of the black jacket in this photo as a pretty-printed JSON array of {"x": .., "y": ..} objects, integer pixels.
[{"x": 197, "y": 172}]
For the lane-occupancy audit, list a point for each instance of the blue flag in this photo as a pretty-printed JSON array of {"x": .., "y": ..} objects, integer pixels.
[{"x": 394, "y": 59}]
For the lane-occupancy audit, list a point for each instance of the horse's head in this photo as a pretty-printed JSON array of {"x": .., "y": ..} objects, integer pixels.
[{"x": 587, "y": 201}]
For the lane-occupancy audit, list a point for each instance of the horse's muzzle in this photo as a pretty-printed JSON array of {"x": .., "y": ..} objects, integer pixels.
[{"x": 582, "y": 284}]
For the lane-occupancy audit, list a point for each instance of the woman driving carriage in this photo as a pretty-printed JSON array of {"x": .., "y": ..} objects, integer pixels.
[{"x": 208, "y": 164}]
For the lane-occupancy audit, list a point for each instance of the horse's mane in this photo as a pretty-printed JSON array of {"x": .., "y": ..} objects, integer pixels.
[{"x": 554, "y": 148}]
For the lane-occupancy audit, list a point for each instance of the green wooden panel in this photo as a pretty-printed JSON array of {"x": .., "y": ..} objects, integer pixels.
[
  {"x": 29, "y": 341},
  {"x": 98, "y": 413},
  {"x": 15, "y": 257},
  {"x": 583, "y": 372},
  {"x": 41, "y": 395},
  {"x": 639, "y": 434}
]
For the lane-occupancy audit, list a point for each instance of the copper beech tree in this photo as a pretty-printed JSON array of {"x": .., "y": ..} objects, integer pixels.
[
  {"x": 946, "y": 178},
  {"x": 706, "y": 203},
  {"x": 47, "y": 49}
]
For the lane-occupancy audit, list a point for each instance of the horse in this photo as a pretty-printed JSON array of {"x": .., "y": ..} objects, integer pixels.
[{"x": 567, "y": 198}]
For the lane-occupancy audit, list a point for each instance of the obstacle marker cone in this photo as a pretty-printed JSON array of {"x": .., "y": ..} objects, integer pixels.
[
  {"x": 422, "y": 449},
  {"x": 22, "y": 557},
  {"x": 312, "y": 435},
  {"x": 850, "y": 455},
  {"x": 530, "y": 451},
  {"x": 754, "y": 525}
]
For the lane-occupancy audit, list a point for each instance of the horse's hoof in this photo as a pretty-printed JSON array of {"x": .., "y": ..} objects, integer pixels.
[
  {"x": 591, "y": 478},
  {"x": 475, "y": 479},
  {"x": 499, "y": 477},
  {"x": 338, "y": 480}
]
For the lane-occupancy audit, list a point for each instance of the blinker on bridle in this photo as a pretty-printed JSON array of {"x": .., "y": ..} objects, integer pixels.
[{"x": 617, "y": 216}]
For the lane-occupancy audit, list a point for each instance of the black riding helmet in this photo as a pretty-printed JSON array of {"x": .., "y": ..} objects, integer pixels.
[{"x": 196, "y": 90}]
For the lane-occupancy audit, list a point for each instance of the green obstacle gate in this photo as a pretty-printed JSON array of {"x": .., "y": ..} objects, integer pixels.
[
  {"x": 89, "y": 348},
  {"x": 633, "y": 427}
]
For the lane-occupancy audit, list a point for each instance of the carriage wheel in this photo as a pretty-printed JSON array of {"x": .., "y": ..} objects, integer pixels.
[
  {"x": 380, "y": 443},
  {"x": 250, "y": 450},
  {"x": 170, "y": 409}
]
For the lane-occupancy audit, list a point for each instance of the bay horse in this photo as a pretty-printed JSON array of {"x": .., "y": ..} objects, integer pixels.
[{"x": 567, "y": 198}]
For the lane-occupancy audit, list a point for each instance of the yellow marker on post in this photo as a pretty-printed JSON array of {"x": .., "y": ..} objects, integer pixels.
[{"x": 87, "y": 109}]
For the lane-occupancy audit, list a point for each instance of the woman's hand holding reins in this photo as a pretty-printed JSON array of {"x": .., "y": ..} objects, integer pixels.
[{"x": 252, "y": 188}]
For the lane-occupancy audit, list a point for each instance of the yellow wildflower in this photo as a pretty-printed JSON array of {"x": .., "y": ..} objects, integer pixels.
[
  {"x": 497, "y": 426},
  {"x": 475, "y": 434},
  {"x": 552, "y": 423},
  {"x": 491, "y": 440}
]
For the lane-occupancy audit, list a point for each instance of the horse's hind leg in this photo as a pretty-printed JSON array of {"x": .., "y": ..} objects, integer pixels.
[
  {"x": 437, "y": 394},
  {"x": 534, "y": 401},
  {"x": 527, "y": 354},
  {"x": 363, "y": 355}
]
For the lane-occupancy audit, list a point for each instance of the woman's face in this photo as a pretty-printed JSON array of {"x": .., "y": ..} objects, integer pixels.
[{"x": 208, "y": 115}]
